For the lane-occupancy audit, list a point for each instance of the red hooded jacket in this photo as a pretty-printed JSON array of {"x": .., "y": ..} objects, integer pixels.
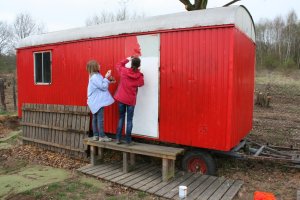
[{"x": 130, "y": 80}]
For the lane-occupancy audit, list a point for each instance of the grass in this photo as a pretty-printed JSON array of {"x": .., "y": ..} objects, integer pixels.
[
  {"x": 73, "y": 188},
  {"x": 280, "y": 83}
]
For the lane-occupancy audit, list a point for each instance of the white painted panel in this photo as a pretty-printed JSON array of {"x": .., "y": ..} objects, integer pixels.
[{"x": 145, "y": 120}]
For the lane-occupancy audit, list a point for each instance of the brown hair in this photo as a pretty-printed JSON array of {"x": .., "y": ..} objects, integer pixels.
[
  {"x": 135, "y": 63},
  {"x": 92, "y": 67}
]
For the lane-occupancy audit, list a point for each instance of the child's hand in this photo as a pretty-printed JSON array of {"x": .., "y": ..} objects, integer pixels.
[
  {"x": 112, "y": 79},
  {"x": 108, "y": 74}
]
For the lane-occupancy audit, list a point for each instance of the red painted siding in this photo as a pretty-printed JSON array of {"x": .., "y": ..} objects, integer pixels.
[
  {"x": 69, "y": 76},
  {"x": 206, "y": 83},
  {"x": 194, "y": 87},
  {"x": 243, "y": 88}
]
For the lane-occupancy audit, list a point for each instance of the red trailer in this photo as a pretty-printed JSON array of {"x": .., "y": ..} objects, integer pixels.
[{"x": 198, "y": 68}]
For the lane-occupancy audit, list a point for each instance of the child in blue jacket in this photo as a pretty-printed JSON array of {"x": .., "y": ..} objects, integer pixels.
[{"x": 98, "y": 97}]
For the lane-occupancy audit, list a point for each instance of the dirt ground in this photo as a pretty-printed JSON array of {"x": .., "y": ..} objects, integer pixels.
[{"x": 277, "y": 125}]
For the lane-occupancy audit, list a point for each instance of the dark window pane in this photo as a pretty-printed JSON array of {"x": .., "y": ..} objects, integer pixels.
[
  {"x": 47, "y": 67},
  {"x": 38, "y": 67}
]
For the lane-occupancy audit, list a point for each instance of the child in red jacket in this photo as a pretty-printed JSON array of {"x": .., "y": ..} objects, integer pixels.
[{"x": 130, "y": 80}]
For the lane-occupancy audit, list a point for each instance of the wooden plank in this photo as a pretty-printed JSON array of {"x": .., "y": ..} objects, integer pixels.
[
  {"x": 69, "y": 125},
  {"x": 43, "y": 121},
  {"x": 61, "y": 124},
  {"x": 136, "y": 174},
  {"x": 54, "y": 127},
  {"x": 65, "y": 125},
  {"x": 160, "y": 185},
  {"x": 106, "y": 170},
  {"x": 51, "y": 144},
  {"x": 80, "y": 136},
  {"x": 212, "y": 188},
  {"x": 117, "y": 179},
  {"x": 87, "y": 121},
  {"x": 36, "y": 118},
  {"x": 222, "y": 189},
  {"x": 48, "y": 132},
  {"x": 53, "y": 132},
  {"x": 151, "y": 184},
  {"x": 140, "y": 148},
  {"x": 100, "y": 168},
  {"x": 233, "y": 190},
  {"x": 95, "y": 167},
  {"x": 107, "y": 174},
  {"x": 110, "y": 177},
  {"x": 142, "y": 178},
  {"x": 298, "y": 195},
  {"x": 172, "y": 184},
  {"x": 173, "y": 192},
  {"x": 58, "y": 133},
  {"x": 24, "y": 118},
  {"x": 84, "y": 167},
  {"x": 84, "y": 113},
  {"x": 156, "y": 175},
  {"x": 82, "y": 119},
  {"x": 125, "y": 162},
  {"x": 168, "y": 169},
  {"x": 73, "y": 127},
  {"x": 30, "y": 119},
  {"x": 201, "y": 188},
  {"x": 78, "y": 123}
]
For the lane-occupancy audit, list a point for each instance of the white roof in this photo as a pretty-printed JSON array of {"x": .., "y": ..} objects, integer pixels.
[{"x": 237, "y": 15}]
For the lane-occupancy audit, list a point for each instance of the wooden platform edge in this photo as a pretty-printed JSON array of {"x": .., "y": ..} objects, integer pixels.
[
  {"x": 213, "y": 189},
  {"x": 135, "y": 149}
]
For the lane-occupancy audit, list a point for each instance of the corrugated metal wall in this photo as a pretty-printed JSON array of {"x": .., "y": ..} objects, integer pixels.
[
  {"x": 197, "y": 89},
  {"x": 243, "y": 88},
  {"x": 194, "y": 86},
  {"x": 69, "y": 75}
]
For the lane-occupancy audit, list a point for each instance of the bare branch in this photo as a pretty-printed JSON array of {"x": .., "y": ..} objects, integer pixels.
[
  {"x": 121, "y": 15},
  {"x": 6, "y": 36},
  {"x": 198, "y": 5}
]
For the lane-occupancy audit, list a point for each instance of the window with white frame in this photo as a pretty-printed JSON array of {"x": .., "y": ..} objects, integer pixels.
[{"x": 42, "y": 67}]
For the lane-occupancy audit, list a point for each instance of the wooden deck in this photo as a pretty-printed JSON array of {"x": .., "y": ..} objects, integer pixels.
[{"x": 148, "y": 178}]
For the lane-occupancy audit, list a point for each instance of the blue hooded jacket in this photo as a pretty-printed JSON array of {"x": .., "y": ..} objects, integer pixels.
[{"x": 97, "y": 93}]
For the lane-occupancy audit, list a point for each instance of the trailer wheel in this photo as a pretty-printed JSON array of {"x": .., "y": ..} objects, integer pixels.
[{"x": 199, "y": 162}]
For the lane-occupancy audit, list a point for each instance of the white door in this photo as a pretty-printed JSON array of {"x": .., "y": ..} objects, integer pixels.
[{"x": 145, "y": 119}]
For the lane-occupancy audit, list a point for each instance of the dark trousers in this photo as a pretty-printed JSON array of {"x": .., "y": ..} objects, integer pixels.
[
  {"x": 123, "y": 108},
  {"x": 97, "y": 123}
]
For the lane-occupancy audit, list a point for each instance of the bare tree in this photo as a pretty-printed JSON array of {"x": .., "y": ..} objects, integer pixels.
[
  {"x": 121, "y": 15},
  {"x": 278, "y": 42},
  {"x": 6, "y": 36},
  {"x": 200, "y": 4},
  {"x": 25, "y": 25}
]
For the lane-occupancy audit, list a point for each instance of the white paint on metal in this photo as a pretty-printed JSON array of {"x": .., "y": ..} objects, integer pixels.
[
  {"x": 145, "y": 119},
  {"x": 236, "y": 15}
]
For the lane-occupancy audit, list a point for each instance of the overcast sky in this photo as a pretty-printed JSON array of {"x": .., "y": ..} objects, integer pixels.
[{"x": 65, "y": 14}]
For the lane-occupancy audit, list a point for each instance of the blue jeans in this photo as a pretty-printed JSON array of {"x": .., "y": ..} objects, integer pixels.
[
  {"x": 97, "y": 123},
  {"x": 123, "y": 108}
]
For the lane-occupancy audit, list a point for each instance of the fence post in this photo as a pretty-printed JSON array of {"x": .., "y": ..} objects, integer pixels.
[
  {"x": 14, "y": 93},
  {"x": 2, "y": 94}
]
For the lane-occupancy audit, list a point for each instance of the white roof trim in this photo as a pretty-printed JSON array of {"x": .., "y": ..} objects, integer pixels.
[{"x": 237, "y": 15}]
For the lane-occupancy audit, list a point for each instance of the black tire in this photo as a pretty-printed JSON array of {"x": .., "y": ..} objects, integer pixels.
[{"x": 199, "y": 162}]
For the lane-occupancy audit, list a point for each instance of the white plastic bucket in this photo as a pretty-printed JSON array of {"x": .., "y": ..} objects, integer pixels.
[{"x": 182, "y": 191}]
